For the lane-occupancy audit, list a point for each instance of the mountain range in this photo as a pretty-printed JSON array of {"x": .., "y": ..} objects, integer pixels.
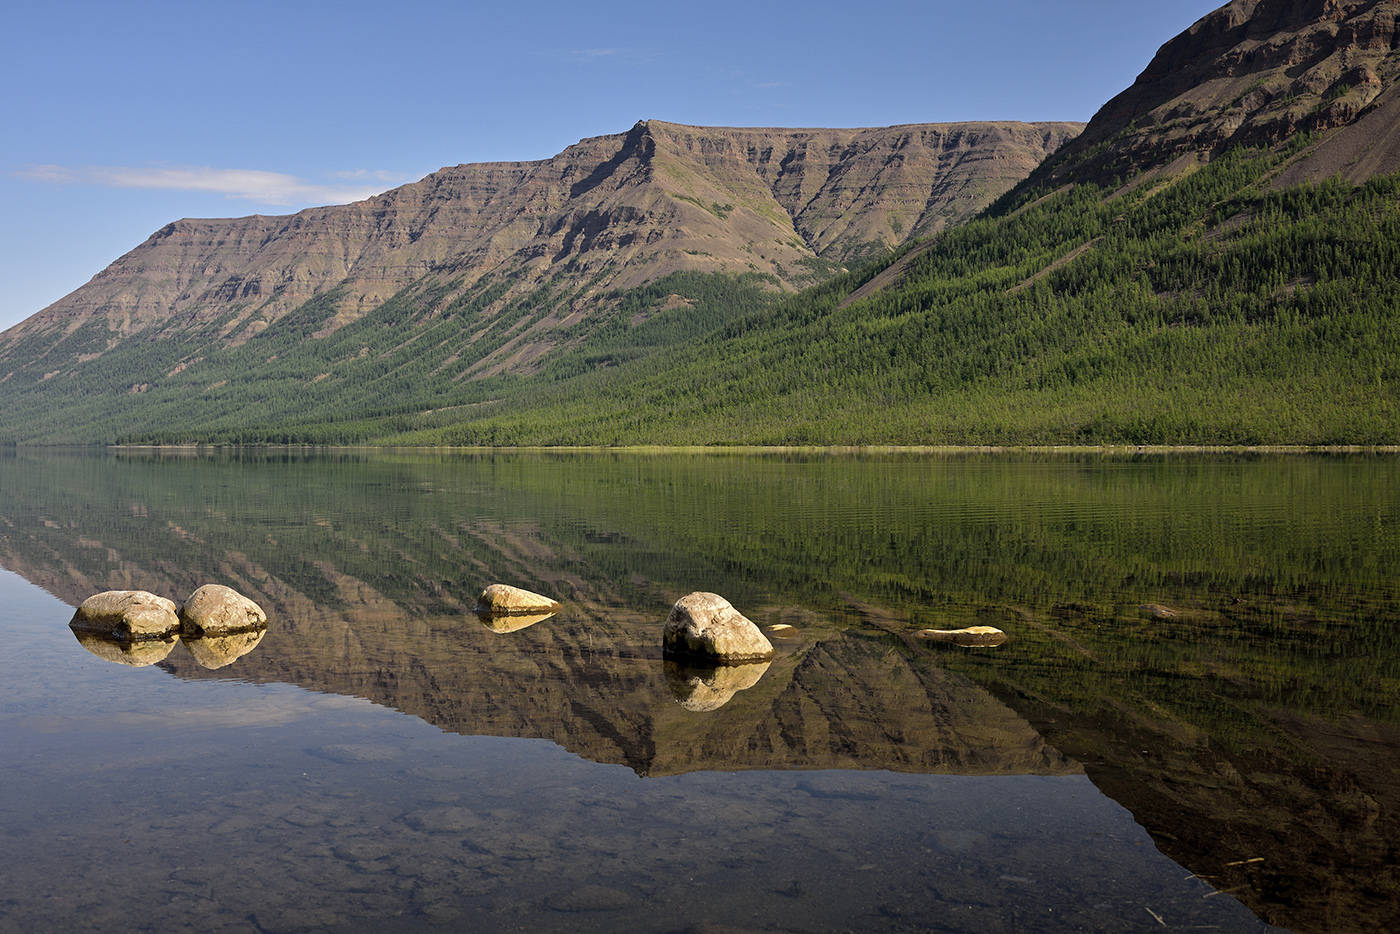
[
  {"x": 607, "y": 213},
  {"x": 1205, "y": 263}
]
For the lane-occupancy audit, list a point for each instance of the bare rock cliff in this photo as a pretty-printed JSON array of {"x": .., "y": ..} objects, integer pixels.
[
  {"x": 612, "y": 211},
  {"x": 1257, "y": 72}
]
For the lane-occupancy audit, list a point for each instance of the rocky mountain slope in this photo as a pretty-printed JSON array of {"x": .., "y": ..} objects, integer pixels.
[
  {"x": 607, "y": 213},
  {"x": 1257, "y": 73}
]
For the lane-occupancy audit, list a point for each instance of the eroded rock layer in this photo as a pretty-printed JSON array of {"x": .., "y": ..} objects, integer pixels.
[{"x": 1257, "y": 72}]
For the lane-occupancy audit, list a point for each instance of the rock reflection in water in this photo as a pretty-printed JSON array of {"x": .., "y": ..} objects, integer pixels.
[
  {"x": 511, "y": 622},
  {"x": 706, "y": 688},
  {"x": 211, "y": 651},
  {"x": 221, "y": 650},
  {"x": 124, "y": 652}
]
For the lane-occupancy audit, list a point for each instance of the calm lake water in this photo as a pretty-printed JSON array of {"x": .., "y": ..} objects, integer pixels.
[{"x": 1193, "y": 724}]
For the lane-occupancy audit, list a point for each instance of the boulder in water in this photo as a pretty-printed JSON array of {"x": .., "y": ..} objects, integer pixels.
[
  {"x": 215, "y": 609},
  {"x": 706, "y": 626},
  {"x": 128, "y": 615},
  {"x": 505, "y": 600}
]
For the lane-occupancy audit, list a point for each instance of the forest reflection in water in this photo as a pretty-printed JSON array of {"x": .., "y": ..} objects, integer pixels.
[{"x": 1211, "y": 637}]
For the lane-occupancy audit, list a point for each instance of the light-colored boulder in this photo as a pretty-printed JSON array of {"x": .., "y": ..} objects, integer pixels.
[
  {"x": 137, "y": 654},
  {"x": 505, "y": 600},
  {"x": 706, "y": 626},
  {"x": 214, "y": 609},
  {"x": 216, "y": 651},
  {"x": 706, "y": 688},
  {"x": 972, "y": 637},
  {"x": 132, "y": 615}
]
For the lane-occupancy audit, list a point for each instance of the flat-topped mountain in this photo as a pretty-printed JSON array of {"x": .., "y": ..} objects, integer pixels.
[
  {"x": 607, "y": 213},
  {"x": 1258, "y": 73}
]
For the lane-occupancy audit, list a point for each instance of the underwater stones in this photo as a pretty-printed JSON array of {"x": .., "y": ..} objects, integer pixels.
[
  {"x": 503, "y": 608},
  {"x": 706, "y": 626},
  {"x": 130, "y": 615},
  {"x": 784, "y": 631},
  {"x": 972, "y": 637},
  {"x": 216, "y": 610},
  {"x": 703, "y": 688}
]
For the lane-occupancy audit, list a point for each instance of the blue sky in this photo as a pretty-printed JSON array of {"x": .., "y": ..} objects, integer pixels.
[{"x": 120, "y": 117}]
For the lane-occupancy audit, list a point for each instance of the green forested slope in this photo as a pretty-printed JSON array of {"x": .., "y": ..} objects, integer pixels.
[{"x": 1207, "y": 309}]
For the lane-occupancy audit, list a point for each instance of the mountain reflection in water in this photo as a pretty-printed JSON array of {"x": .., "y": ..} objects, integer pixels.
[{"x": 1210, "y": 637}]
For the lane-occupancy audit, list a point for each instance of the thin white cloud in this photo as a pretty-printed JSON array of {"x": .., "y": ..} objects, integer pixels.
[
  {"x": 389, "y": 178},
  {"x": 628, "y": 56},
  {"x": 243, "y": 184}
]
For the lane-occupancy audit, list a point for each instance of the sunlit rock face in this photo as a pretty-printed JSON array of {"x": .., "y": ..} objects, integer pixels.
[
  {"x": 132, "y": 615},
  {"x": 706, "y": 688},
  {"x": 218, "y": 651},
  {"x": 136, "y": 654},
  {"x": 706, "y": 626},
  {"x": 215, "y": 609}
]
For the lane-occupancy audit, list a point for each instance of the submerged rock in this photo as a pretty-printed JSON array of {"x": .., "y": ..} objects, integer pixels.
[
  {"x": 132, "y": 615},
  {"x": 709, "y": 687},
  {"x": 784, "y": 631},
  {"x": 505, "y": 600},
  {"x": 137, "y": 654},
  {"x": 216, "y": 651},
  {"x": 215, "y": 609},
  {"x": 972, "y": 637},
  {"x": 706, "y": 626}
]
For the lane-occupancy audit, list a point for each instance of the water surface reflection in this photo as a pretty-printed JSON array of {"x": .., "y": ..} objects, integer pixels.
[{"x": 1208, "y": 637}]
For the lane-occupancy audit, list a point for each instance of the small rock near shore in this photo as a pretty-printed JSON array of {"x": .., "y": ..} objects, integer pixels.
[
  {"x": 127, "y": 614},
  {"x": 215, "y": 609},
  {"x": 705, "y": 625}
]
